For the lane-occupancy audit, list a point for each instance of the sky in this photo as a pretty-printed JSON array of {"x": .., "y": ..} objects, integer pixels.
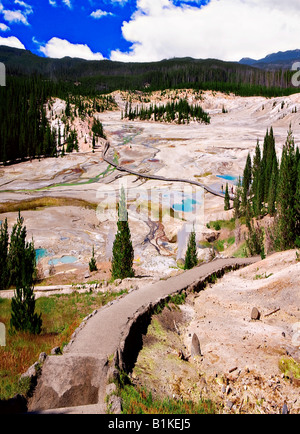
[{"x": 151, "y": 30}]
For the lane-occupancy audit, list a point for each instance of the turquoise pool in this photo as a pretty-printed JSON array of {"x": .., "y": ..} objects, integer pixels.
[
  {"x": 231, "y": 178},
  {"x": 63, "y": 260},
  {"x": 40, "y": 254}
]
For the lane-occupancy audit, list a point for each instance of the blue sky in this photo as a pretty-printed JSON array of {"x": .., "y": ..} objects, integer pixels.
[{"x": 150, "y": 30}]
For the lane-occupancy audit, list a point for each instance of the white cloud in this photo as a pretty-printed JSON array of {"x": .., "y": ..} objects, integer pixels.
[
  {"x": 99, "y": 14},
  {"x": 28, "y": 8},
  {"x": 12, "y": 41},
  {"x": 59, "y": 48},
  {"x": 4, "y": 27},
  {"x": 15, "y": 17},
  {"x": 223, "y": 29},
  {"x": 67, "y": 3}
]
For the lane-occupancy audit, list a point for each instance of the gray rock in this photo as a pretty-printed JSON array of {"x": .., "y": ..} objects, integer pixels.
[
  {"x": 255, "y": 314},
  {"x": 115, "y": 404},
  {"x": 31, "y": 372},
  {"x": 55, "y": 351},
  {"x": 42, "y": 357},
  {"x": 195, "y": 349},
  {"x": 285, "y": 409},
  {"x": 111, "y": 388}
]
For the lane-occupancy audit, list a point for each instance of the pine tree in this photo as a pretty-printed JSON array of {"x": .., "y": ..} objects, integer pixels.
[
  {"x": 123, "y": 253},
  {"x": 273, "y": 189},
  {"x": 21, "y": 256},
  {"x": 257, "y": 190},
  {"x": 191, "y": 258},
  {"x": 237, "y": 201},
  {"x": 227, "y": 199},
  {"x": 93, "y": 263},
  {"x": 22, "y": 263},
  {"x": 23, "y": 316},
  {"x": 4, "y": 271},
  {"x": 286, "y": 195},
  {"x": 247, "y": 178}
]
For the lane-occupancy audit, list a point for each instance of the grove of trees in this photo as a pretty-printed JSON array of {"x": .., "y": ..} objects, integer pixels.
[
  {"x": 271, "y": 187},
  {"x": 177, "y": 111}
]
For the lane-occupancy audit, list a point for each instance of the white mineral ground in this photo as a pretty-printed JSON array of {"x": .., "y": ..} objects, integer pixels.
[{"x": 194, "y": 151}]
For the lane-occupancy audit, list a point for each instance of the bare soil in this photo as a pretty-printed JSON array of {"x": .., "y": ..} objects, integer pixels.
[{"x": 239, "y": 366}]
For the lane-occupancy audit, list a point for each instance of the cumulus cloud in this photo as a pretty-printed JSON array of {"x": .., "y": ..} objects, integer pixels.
[
  {"x": 59, "y": 48},
  {"x": 99, "y": 14},
  {"x": 17, "y": 16},
  {"x": 223, "y": 29},
  {"x": 12, "y": 41},
  {"x": 4, "y": 27},
  {"x": 67, "y": 3}
]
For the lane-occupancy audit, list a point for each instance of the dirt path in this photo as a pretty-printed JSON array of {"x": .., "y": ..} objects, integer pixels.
[{"x": 76, "y": 381}]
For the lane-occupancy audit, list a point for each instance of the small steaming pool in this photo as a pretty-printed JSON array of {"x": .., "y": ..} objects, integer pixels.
[
  {"x": 231, "y": 178},
  {"x": 40, "y": 254},
  {"x": 63, "y": 260}
]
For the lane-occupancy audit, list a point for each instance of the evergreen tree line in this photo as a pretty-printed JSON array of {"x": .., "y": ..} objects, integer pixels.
[
  {"x": 107, "y": 76},
  {"x": 180, "y": 112},
  {"x": 24, "y": 129},
  {"x": 271, "y": 187}
]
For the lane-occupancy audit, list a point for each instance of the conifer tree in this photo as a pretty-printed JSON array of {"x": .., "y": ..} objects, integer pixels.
[
  {"x": 257, "y": 191},
  {"x": 4, "y": 271},
  {"x": 191, "y": 258},
  {"x": 286, "y": 195},
  {"x": 23, "y": 316},
  {"x": 247, "y": 178},
  {"x": 123, "y": 253},
  {"x": 22, "y": 265},
  {"x": 21, "y": 256},
  {"x": 93, "y": 263},
  {"x": 273, "y": 189},
  {"x": 237, "y": 201},
  {"x": 227, "y": 199}
]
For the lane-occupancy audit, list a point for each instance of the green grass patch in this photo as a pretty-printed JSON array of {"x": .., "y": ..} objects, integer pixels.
[
  {"x": 241, "y": 252},
  {"x": 222, "y": 224},
  {"x": 140, "y": 401},
  {"x": 289, "y": 367},
  {"x": 44, "y": 202},
  {"x": 61, "y": 315}
]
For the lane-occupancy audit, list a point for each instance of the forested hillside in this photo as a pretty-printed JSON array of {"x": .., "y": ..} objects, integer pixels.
[
  {"x": 107, "y": 76},
  {"x": 32, "y": 80}
]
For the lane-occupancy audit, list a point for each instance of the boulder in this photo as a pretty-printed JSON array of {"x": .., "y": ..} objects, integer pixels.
[
  {"x": 255, "y": 314},
  {"x": 195, "y": 348}
]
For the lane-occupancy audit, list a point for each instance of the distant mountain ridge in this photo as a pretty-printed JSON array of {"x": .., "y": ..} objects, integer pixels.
[{"x": 280, "y": 60}]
